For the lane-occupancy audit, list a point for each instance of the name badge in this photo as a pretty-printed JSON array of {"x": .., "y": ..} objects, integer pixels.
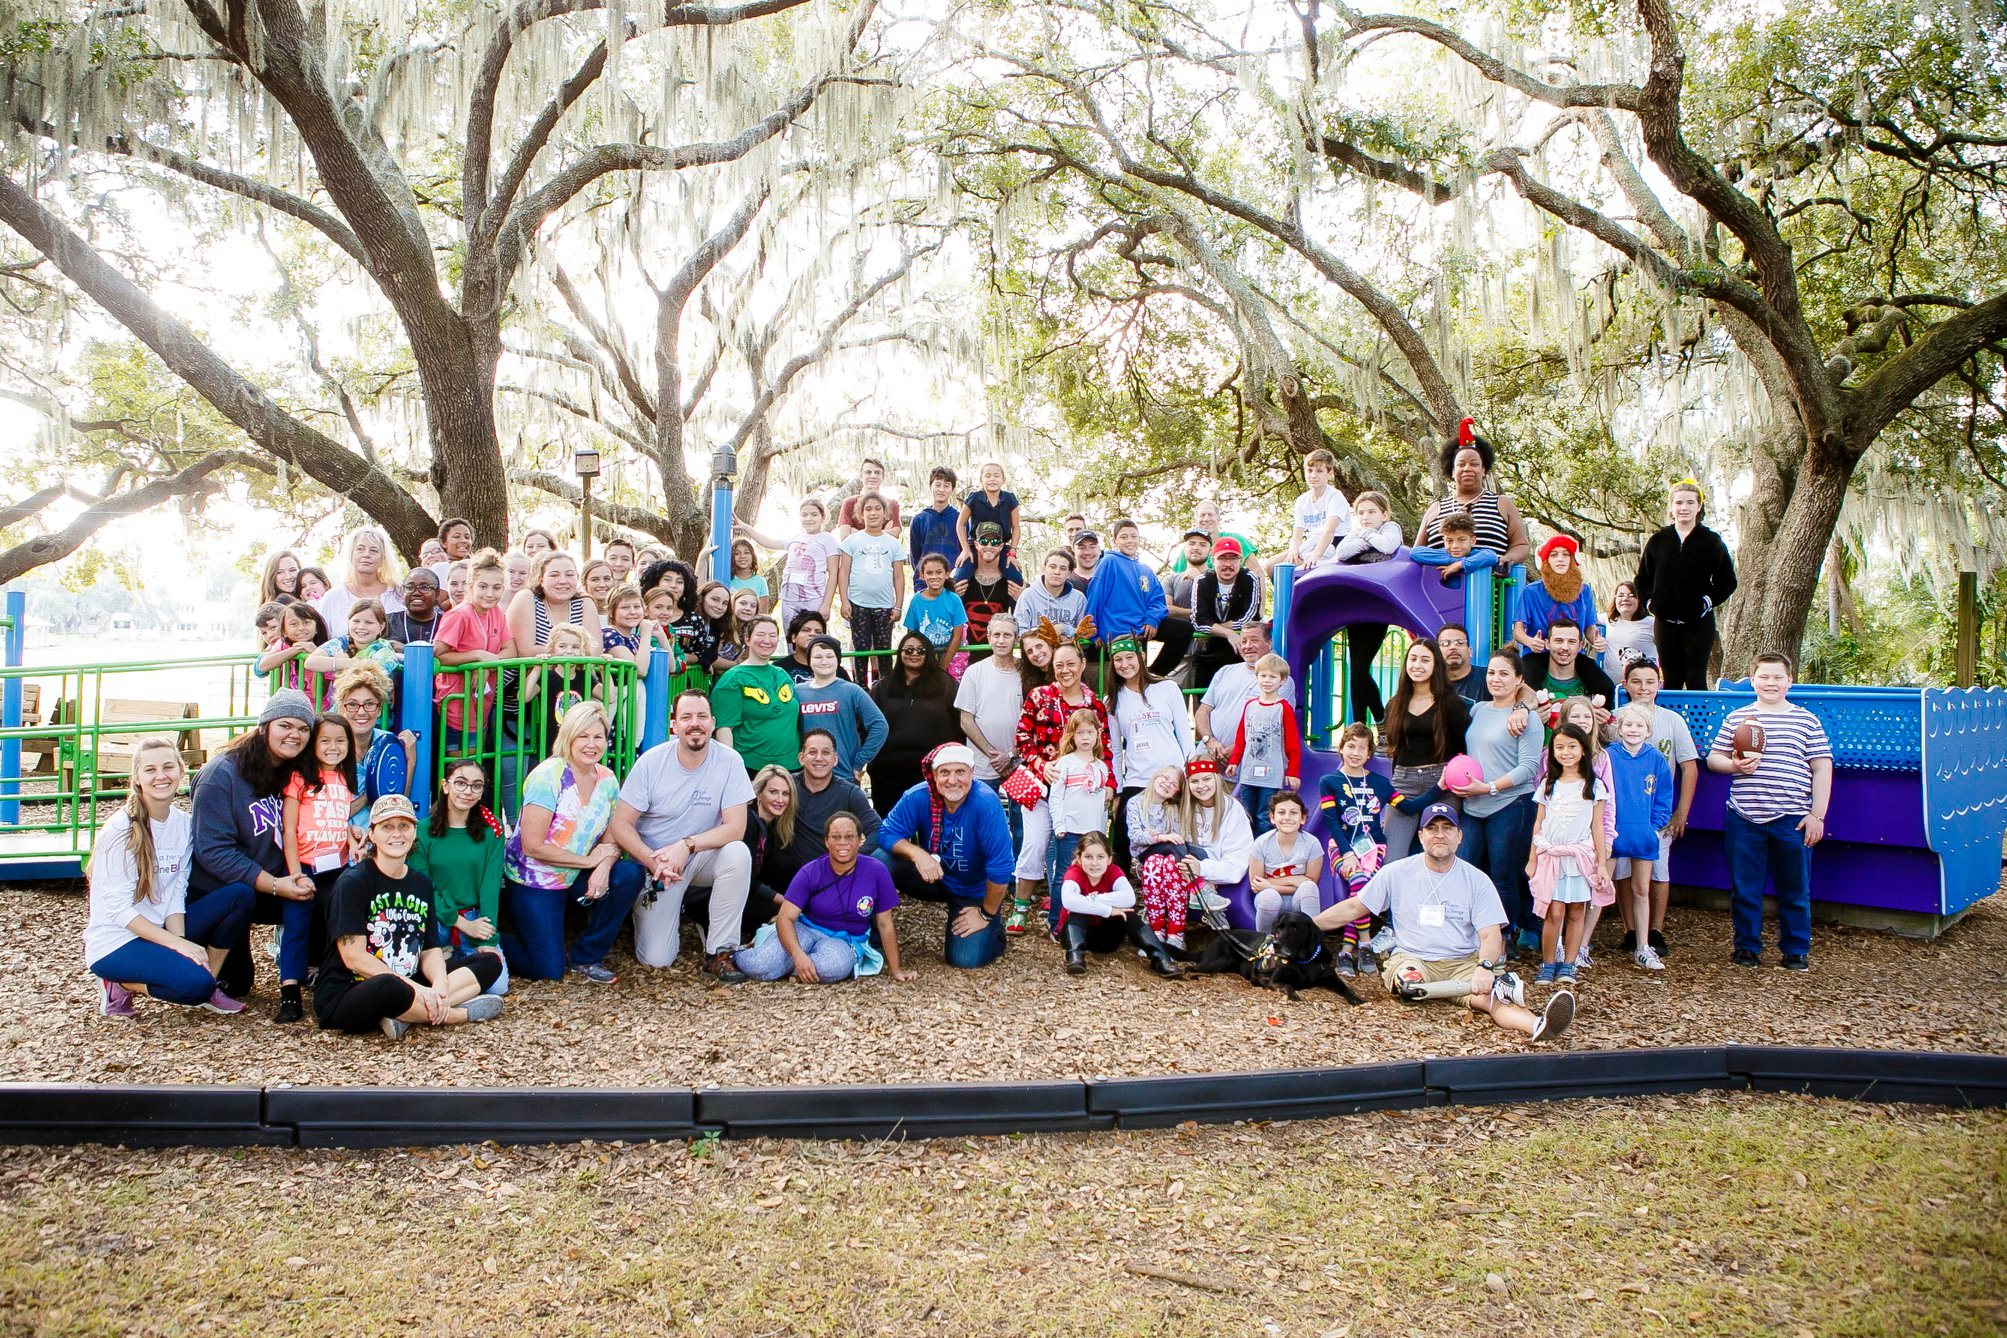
[
  {"x": 1259, "y": 773},
  {"x": 1432, "y": 917},
  {"x": 328, "y": 861}
]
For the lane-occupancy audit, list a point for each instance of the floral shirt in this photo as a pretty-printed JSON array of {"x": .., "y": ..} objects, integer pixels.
[{"x": 1043, "y": 721}]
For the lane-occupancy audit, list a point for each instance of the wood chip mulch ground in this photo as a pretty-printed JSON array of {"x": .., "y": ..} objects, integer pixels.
[{"x": 1020, "y": 1019}]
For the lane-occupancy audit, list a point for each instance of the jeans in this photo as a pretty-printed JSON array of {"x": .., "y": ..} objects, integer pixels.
[
  {"x": 534, "y": 945},
  {"x": 1776, "y": 848},
  {"x": 833, "y": 957},
  {"x": 1498, "y": 845},
  {"x": 1059, "y": 854},
  {"x": 658, "y": 926},
  {"x": 1013, "y": 814},
  {"x": 217, "y": 920},
  {"x": 1254, "y": 798},
  {"x": 978, "y": 949}
]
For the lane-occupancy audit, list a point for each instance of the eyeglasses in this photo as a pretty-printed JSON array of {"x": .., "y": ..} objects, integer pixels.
[{"x": 473, "y": 785}]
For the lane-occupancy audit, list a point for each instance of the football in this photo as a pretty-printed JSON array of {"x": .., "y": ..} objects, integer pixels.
[{"x": 1748, "y": 739}]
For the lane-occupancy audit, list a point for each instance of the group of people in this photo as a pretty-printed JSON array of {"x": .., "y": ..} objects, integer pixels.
[{"x": 1106, "y": 751}]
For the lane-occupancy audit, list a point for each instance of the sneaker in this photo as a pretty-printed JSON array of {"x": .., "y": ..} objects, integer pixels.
[
  {"x": 289, "y": 1005},
  {"x": 1583, "y": 961},
  {"x": 1383, "y": 942},
  {"x": 1648, "y": 959},
  {"x": 1630, "y": 940},
  {"x": 1507, "y": 987},
  {"x": 117, "y": 1001},
  {"x": 596, "y": 973},
  {"x": 1545, "y": 975},
  {"x": 1554, "y": 1019},
  {"x": 1175, "y": 942},
  {"x": 1658, "y": 942},
  {"x": 485, "y": 1007},
  {"x": 1796, "y": 962},
  {"x": 396, "y": 1028},
  {"x": 219, "y": 1002},
  {"x": 1564, "y": 976},
  {"x": 1410, "y": 986},
  {"x": 1346, "y": 966},
  {"x": 1744, "y": 957},
  {"x": 1014, "y": 922},
  {"x": 1369, "y": 961},
  {"x": 1529, "y": 943},
  {"x": 721, "y": 970}
]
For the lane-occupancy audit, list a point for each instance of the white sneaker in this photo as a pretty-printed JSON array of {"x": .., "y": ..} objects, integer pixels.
[
  {"x": 1648, "y": 959},
  {"x": 1213, "y": 901},
  {"x": 1175, "y": 941},
  {"x": 1506, "y": 986},
  {"x": 1554, "y": 1019}
]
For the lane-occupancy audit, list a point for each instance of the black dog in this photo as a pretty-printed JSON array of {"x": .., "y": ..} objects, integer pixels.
[{"x": 1290, "y": 957}]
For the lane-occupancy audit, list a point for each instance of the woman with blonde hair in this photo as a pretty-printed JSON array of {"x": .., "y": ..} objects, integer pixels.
[
  {"x": 142, "y": 937},
  {"x": 567, "y": 802},
  {"x": 369, "y": 576}
]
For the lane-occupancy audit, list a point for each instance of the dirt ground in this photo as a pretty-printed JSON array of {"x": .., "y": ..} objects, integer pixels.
[
  {"x": 1713, "y": 1214},
  {"x": 1023, "y": 1018}
]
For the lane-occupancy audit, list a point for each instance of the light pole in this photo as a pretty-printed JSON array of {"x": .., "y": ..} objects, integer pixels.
[
  {"x": 724, "y": 465},
  {"x": 585, "y": 463}
]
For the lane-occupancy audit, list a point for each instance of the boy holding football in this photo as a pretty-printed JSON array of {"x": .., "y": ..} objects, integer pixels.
[{"x": 1782, "y": 780}]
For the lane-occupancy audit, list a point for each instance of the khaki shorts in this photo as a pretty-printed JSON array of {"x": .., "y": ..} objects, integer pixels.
[{"x": 1449, "y": 968}]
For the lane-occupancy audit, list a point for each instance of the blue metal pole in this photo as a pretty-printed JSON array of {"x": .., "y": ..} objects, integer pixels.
[
  {"x": 417, "y": 717},
  {"x": 1477, "y": 616},
  {"x": 721, "y": 531},
  {"x": 655, "y": 696},
  {"x": 1279, "y": 608},
  {"x": 10, "y": 707}
]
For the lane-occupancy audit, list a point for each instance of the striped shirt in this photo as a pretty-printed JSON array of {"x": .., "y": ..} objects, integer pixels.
[
  {"x": 1782, "y": 784},
  {"x": 1492, "y": 531}
]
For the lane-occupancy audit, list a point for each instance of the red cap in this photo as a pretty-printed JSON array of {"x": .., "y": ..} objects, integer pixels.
[
  {"x": 1560, "y": 541},
  {"x": 1225, "y": 546}
]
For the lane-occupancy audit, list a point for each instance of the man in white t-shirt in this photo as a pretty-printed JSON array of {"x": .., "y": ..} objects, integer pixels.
[
  {"x": 1232, "y": 688},
  {"x": 989, "y": 701},
  {"x": 1449, "y": 939},
  {"x": 682, "y": 817},
  {"x": 1671, "y": 737}
]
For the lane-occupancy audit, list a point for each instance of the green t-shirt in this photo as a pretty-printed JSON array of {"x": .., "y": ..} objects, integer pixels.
[
  {"x": 757, "y": 703},
  {"x": 466, "y": 878}
]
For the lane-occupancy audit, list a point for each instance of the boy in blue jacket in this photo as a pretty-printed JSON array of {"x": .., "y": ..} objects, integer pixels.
[
  {"x": 1124, "y": 597},
  {"x": 1641, "y": 781}
]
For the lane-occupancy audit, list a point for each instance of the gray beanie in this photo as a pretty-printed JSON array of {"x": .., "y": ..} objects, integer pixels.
[{"x": 288, "y": 704}]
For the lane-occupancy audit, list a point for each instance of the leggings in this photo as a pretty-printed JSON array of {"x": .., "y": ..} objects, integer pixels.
[
  {"x": 365, "y": 1004},
  {"x": 1166, "y": 892},
  {"x": 215, "y": 921},
  {"x": 870, "y": 629},
  {"x": 1684, "y": 649},
  {"x": 1269, "y": 904},
  {"x": 833, "y": 957}
]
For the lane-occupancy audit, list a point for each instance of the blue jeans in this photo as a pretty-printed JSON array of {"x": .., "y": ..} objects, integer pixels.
[
  {"x": 1498, "y": 844},
  {"x": 834, "y": 958},
  {"x": 1254, "y": 798},
  {"x": 1012, "y": 814},
  {"x": 216, "y": 921},
  {"x": 978, "y": 949},
  {"x": 1059, "y": 854},
  {"x": 535, "y": 950},
  {"x": 1776, "y": 849}
]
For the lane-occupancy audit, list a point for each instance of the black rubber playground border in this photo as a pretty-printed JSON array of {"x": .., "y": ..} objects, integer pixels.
[{"x": 362, "y": 1117}]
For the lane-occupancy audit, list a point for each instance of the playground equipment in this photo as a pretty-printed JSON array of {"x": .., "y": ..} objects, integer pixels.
[{"x": 1919, "y": 804}]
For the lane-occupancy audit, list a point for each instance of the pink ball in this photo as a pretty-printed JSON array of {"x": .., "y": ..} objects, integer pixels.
[{"x": 1462, "y": 770}]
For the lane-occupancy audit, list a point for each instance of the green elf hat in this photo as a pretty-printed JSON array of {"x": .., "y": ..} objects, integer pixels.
[{"x": 1122, "y": 643}]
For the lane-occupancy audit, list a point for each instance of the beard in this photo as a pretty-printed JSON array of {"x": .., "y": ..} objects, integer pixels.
[{"x": 1562, "y": 587}]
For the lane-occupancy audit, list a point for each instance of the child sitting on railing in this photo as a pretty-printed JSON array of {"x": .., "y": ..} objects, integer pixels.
[
  {"x": 1459, "y": 552},
  {"x": 365, "y": 641},
  {"x": 301, "y": 632}
]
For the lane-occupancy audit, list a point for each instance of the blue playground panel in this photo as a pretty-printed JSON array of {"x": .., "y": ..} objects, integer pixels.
[
  {"x": 1920, "y": 774},
  {"x": 1919, "y": 795}
]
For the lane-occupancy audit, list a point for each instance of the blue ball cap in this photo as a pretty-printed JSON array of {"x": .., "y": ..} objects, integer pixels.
[{"x": 1442, "y": 813}]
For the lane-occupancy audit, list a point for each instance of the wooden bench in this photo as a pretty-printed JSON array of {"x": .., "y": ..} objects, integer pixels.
[{"x": 113, "y": 755}]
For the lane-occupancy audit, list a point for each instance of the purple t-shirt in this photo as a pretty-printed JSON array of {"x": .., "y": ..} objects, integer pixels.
[{"x": 845, "y": 904}]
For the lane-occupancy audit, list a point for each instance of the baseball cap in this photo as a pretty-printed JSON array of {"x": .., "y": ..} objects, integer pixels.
[
  {"x": 990, "y": 532},
  {"x": 1197, "y": 534},
  {"x": 1087, "y": 537},
  {"x": 391, "y": 806},
  {"x": 1226, "y": 546},
  {"x": 1433, "y": 813}
]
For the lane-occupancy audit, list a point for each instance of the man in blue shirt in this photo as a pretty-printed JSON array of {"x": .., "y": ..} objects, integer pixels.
[
  {"x": 947, "y": 839},
  {"x": 1124, "y": 597}
]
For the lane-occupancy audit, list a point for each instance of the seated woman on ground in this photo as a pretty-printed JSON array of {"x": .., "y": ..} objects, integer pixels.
[
  {"x": 141, "y": 939},
  {"x": 460, "y": 850},
  {"x": 1098, "y": 910},
  {"x": 823, "y": 931},
  {"x": 386, "y": 967}
]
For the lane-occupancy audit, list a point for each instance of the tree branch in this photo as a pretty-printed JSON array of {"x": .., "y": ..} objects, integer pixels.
[{"x": 59, "y": 544}]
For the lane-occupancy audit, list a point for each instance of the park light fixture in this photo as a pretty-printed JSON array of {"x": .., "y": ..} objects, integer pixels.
[{"x": 724, "y": 462}]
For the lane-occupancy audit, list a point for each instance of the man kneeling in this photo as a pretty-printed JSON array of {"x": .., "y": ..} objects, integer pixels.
[{"x": 1447, "y": 939}]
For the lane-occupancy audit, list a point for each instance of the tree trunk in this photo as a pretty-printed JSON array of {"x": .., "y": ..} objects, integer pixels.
[
  {"x": 1798, "y": 552},
  {"x": 467, "y": 467}
]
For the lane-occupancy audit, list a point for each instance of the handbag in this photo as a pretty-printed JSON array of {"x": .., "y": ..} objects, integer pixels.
[{"x": 1019, "y": 785}]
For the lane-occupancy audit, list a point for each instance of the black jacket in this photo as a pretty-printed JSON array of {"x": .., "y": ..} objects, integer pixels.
[
  {"x": 1593, "y": 679},
  {"x": 1682, "y": 581}
]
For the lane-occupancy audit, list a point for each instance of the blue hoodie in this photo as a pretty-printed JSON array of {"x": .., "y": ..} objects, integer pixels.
[
  {"x": 1123, "y": 597},
  {"x": 1642, "y": 786},
  {"x": 237, "y": 831}
]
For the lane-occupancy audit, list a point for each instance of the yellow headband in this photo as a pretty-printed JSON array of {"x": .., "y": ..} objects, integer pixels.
[{"x": 1690, "y": 482}]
